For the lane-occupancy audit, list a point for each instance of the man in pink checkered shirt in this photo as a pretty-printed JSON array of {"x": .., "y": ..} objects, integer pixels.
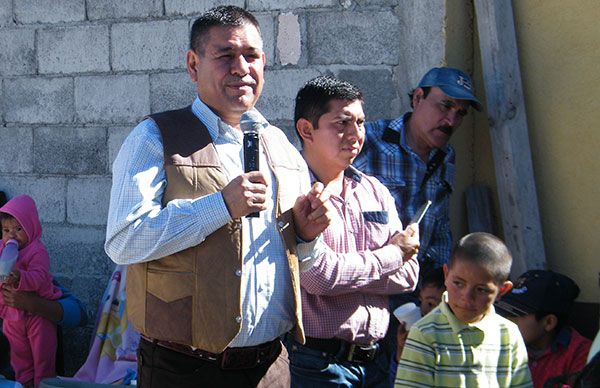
[{"x": 366, "y": 256}]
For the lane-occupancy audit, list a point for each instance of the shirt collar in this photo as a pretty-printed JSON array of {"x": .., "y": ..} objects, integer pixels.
[
  {"x": 486, "y": 323},
  {"x": 216, "y": 127},
  {"x": 563, "y": 338},
  {"x": 350, "y": 172}
]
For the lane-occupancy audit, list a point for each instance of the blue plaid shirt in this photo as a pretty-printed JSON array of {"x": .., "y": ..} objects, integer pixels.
[{"x": 387, "y": 156}]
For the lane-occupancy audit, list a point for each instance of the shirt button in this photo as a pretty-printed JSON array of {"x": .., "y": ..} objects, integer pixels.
[
  {"x": 280, "y": 224},
  {"x": 238, "y": 272},
  {"x": 238, "y": 319}
]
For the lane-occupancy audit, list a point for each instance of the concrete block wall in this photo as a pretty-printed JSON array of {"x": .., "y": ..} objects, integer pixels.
[{"x": 77, "y": 75}]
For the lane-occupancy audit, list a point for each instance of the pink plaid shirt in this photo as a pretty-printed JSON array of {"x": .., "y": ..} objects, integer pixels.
[{"x": 345, "y": 293}]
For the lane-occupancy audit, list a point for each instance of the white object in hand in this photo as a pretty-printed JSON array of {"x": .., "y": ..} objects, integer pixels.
[
  {"x": 409, "y": 313},
  {"x": 8, "y": 258}
]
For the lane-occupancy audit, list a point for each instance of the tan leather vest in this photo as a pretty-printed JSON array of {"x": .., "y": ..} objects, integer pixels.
[{"x": 193, "y": 297}]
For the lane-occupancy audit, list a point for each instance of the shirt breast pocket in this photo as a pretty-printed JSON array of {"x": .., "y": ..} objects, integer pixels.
[
  {"x": 377, "y": 230},
  {"x": 380, "y": 217}
]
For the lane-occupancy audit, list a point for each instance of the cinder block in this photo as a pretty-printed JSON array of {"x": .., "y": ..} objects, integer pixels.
[
  {"x": 77, "y": 250},
  {"x": 115, "y": 9},
  {"x": 90, "y": 288},
  {"x": 151, "y": 45},
  {"x": 194, "y": 7},
  {"x": 267, "y": 30},
  {"x": 49, "y": 193},
  {"x": 17, "y": 51},
  {"x": 49, "y": 11},
  {"x": 420, "y": 22},
  {"x": 171, "y": 91},
  {"x": 68, "y": 150},
  {"x": 360, "y": 38},
  {"x": 38, "y": 100},
  {"x": 87, "y": 200},
  {"x": 116, "y": 137},
  {"x": 17, "y": 146},
  {"x": 289, "y": 41},
  {"x": 281, "y": 86},
  {"x": 378, "y": 88},
  {"x": 263, "y": 5},
  {"x": 112, "y": 98},
  {"x": 73, "y": 50},
  {"x": 6, "y": 13},
  {"x": 1, "y": 103}
]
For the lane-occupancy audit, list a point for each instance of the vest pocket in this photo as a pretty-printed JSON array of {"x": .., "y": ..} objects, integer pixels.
[{"x": 169, "y": 306}]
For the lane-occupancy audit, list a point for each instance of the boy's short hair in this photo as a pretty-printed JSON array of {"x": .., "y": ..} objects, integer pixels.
[
  {"x": 540, "y": 292},
  {"x": 486, "y": 251},
  {"x": 433, "y": 278},
  {"x": 312, "y": 100},
  {"x": 221, "y": 16}
]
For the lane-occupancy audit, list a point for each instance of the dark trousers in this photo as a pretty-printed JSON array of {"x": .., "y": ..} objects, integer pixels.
[{"x": 159, "y": 367}]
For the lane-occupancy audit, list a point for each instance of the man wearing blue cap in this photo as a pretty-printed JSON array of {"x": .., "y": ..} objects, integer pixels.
[{"x": 412, "y": 157}]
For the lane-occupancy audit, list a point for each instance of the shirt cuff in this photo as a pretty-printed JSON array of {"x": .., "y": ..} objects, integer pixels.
[{"x": 308, "y": 252}]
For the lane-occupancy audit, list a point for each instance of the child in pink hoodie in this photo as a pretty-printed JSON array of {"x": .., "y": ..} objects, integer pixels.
[{"x": 32, "y": 338}]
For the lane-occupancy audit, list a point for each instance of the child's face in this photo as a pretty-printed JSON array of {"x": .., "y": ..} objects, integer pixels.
[
  {"x": 430, "y": 297},
  {"x": 534, "y": 332},
  {"x": 11, "y": 229},
  {"x": 471, "y": 290}
]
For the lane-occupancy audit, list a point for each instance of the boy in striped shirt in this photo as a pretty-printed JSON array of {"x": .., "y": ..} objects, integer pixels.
[{"x": 463, "y": 342}]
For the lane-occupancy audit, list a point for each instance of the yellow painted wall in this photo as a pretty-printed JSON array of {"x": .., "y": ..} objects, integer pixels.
[{"x": 559, "y": 54}]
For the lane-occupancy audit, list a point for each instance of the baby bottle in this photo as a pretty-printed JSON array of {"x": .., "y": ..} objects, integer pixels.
[{"x": 8, "y": 258}]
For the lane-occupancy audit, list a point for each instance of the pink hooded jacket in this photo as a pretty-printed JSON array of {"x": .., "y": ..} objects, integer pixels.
[{"x": 33, "y": 261}]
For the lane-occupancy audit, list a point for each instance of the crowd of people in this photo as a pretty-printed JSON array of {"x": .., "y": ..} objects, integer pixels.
[{"x": 287, "y": 275}]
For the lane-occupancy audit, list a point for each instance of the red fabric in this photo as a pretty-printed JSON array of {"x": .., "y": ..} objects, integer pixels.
[{"x": 559, "y": 359}]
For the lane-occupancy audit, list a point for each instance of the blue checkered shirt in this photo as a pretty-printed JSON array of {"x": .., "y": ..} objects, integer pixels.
[{"x": 387, "y": 156}]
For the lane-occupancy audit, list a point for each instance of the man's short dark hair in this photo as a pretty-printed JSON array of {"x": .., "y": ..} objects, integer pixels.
[
  {"x": 486, "y": 251},
  {"x": 312, "y": 100},
  {"x": 222, "y": 16}
]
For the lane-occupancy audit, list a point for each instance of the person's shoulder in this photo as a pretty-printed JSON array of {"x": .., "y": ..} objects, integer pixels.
[
  {"x": 373, "y": 184},
  {"x": 376, "y": 126},
  {"x": 507, "y": 326},
  {"x": 578, "y": 340},
  {"x": 275, "y": 137},
  {"x": 434, "y": 324}
]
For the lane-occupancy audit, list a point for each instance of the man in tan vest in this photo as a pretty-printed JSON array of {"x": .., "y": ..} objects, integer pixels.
[{"x": 210, "y": 289}]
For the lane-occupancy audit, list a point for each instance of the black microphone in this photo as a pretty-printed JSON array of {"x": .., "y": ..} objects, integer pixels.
[{"x": 251, "y": 123}]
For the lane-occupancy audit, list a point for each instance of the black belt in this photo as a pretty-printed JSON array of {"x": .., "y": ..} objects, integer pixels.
[
  {"x": 343, "y": 349},
  {"x": 231, "y": 358}
]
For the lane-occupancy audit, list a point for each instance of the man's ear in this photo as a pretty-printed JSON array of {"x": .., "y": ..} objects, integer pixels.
[
  {"x": 506, "y": 287},
  {"x": 191, "y": 61},
  {"x": 418, "y": 96},
  {"x": 305, "y": 129}
]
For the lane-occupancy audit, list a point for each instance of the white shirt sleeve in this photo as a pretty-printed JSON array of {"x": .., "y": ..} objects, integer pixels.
[{"x": 139, "y": 228}]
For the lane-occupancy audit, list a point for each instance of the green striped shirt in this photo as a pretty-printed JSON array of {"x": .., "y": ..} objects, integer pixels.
[{"x": 441, "y": 351}]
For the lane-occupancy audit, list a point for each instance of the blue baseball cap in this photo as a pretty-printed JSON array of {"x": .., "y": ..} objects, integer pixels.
[{"x": 453, "y": 82}]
